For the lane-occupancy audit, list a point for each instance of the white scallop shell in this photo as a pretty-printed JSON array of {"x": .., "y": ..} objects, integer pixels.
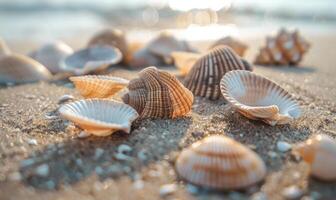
[
  {"x": 91, "y": 59},
  {"x": 258, "y": 98},
  {"x": 98, "y": 116},
  {"x": 220, "y": 162}
]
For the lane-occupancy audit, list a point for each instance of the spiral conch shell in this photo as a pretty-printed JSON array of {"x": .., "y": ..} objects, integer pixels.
[
  {"x": 158, "y": 94},
  {"x": 219, "y": 162},
  {"x": 204, "y": 77},
  {"x": 319, "y": 152},
  {"x": 238, "y": 46},
  {"x": 98, "y": 86},
  {"x": 285, "y": 48},
  {"x": 100, "y": 117},
  {"x": 4, "y": 50},
  {"x": 258, "y": 98}
]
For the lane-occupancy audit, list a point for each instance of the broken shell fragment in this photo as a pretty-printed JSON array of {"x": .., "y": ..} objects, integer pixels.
[
  {"x": 238, "y": 46},
  {"x": 51, "y": 54},
  {"x": 98, "y": 86},
  {"x": 204, "y": 77},
  {"x": 184, "y": 61},
  {"x": 91, "y": 59},
  {"x": 15, "y": 68},
  {"x": 319, "y": 152},
  {"x": 98, "y": 116},
  {"x": 4, "y": 50},
  {"x": 219, "y": 162},
  {"x": 258, "y": 98},
  {"x": 158, "y": 94}
]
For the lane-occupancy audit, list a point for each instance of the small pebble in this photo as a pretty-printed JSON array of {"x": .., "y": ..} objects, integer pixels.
[
  {"x": 99, "y": 170},
  {"x": 138, "y": 184},
  {"x": 42, "y": 170},
  {"x": 167, "y": 189},
  {"x": 123, "y": 148},
  {"x": 98, "y": 153},
  {"x": 50, "y": 116},
  {"x": 192, "y": 189},
  {"x": 259, "y": 196},
  {"x": 142, "y": 155},
  {"x": 292, "y": 192},
  {"x": 283, "y": 146},
  {"x": 32, "y": 142},
  {"x": 15, "y": 176},
  {"x": 272, "y": 154},
  {"x": 65, "y": 98},
  {"x": 121, "y": 156},
  {"x": 83, "y": 134},
  {"x": 27, "y": 162}
]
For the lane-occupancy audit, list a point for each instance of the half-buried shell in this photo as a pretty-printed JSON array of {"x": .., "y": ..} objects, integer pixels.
[
  {"x": 218, "y": 162},
  {"x": 204, "y": 77},
  {"x": 238, "y": 46},
  {"x": 91, "y": 59},
  {"x": 258, "y": 98},
  {"x": 98, "y": 116},
  {"x": 98, "y": 86}
]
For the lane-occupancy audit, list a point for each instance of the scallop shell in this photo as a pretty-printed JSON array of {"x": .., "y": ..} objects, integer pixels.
[
  {"x": 91, "y": 59},
  {"x": 111, "y": 37},
  {"x": 92, "y": 86},
  {"x": 51, "y": 54},
  {"x": 184, "y": 61},
  {"x": 204, "y": 77},
  {"x": 4, "y": 50},
  {"x": 258, "y": 98},
  {"x": 99, "y": 117},
  {"x": 158, "y": 94},
  {"x": 238, "y": 46},
  {"x": 15, "y": 68},
  {"x": 319, "y": 152},
  {"x": 219, "y": 162},
  {"x": 286, "y": 48}
]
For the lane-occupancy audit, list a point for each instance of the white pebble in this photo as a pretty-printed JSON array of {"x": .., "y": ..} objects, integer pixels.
[
  {"x": 32, "y": 142},
  {"x": 83, "y": 134},
  {"x": 42, "y": 170},
  {"x": 283, "y": 146},
  {"x": 121, "y": 156},
  {"x": 292, "y": 192},
  {"x": 167, "y": 189},
  {"x": 27, "y": 162},
  {"x": 138, "y": 184},
  {"x": 98, "y": 153},
  {"x": 192, "y": 189},
  {"x": 124, "y": 148}
]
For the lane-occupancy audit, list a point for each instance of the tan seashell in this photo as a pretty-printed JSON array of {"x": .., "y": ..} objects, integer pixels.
[
  {"x": 51, "y": 54},
  {"x": 258, "y": 98},
  {"x": 319, "y": 152},
  {"x": 100, "y": 117},
  {"x": 15, "y": 68},
  {"x": 144, "y": 58},
  {"x": 165, "y": 44},
  {"x": 4, "y": 50},
  {"x": 92, "y": 86},
  {"x": 91, "y": 59},
  {"x": 158, "y": 94},
  {"x": 286, "y": 48},
  {"x": 219, "y": 162},
  {"x": 204, "y": 77},
  {"x": 238, "y": 46},
  {"x": 184, "y": 61},
  {"x": 111, "y": 37}
]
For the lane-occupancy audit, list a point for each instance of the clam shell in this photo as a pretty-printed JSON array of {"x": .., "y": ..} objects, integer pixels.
[
  {"x": 98, "y": 116},
  {"x": 184, "y": 61},
  {"x": 158, "y": 94},
  {"x": 258, "y": 98},
  {"x": 15, "y": 68},
  {"x": 319, "y": 152},
  {"x": 92, "y": 86},
  {"x": 219, "y": 162},
  {"x": 238, "y": 46},
  {"x": 91, "y": 59},
  {"x": 51, "y": 54},
  {"x": 4, "y": 50},
  {"x": 204, "y": 77}
]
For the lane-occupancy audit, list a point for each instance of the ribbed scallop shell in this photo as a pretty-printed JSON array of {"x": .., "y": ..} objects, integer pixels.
[
  {"x": 111, "y": 37},
  {"x": 51, "y": 54},
  {"x": 219, "y": 162},
  {"x": 158, "y": 94},
  {"x": 184, "y": 61},
  {"x": 204, "y": 77},
  {"x": 319, "y": 152},
  {"x": 4, "y": 50},
  {"x": 98, "y": 116},
  {"x": 91, "y": 59},
  {"x": 286, "y": 48},
  {"x": 15, "y": 68},
  {"x": 98, "y": 86},
  {"x": 258, "y": 98},
  {"x": 238, "y": 46}
]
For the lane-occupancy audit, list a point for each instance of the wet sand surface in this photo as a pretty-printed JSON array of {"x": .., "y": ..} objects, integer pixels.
[{"x": 43, "y": 158}]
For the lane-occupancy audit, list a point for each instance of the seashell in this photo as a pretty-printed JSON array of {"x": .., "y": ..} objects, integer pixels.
[
  {"x": 92, "y": 86},
  {"x": 184, "y": 61},
  {"x": 51, "y": 54},
  {"x": 15, "y": 68},
  {"x": 258, "y": 98},
  {"x": 4, "y": 50},
  {"x": 165, "y": 44},
  {"x": 111, "y": 37},
  {"x": 144, "y": 58},
  {"x": 91, "y": 59},
  {"x": 158, "y": 94},
  {"x": 319, "y": 152},
  {"x": 286, "y": 48},
  {"x": 98, "y": 116},
  {"x": 219, "y": 162},
  {"x": 204, "y": 78},
  {"x": 238, "y": 46}
]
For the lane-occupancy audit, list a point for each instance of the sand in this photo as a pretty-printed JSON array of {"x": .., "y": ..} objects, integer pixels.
[{"x": 61, "y": 165}]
